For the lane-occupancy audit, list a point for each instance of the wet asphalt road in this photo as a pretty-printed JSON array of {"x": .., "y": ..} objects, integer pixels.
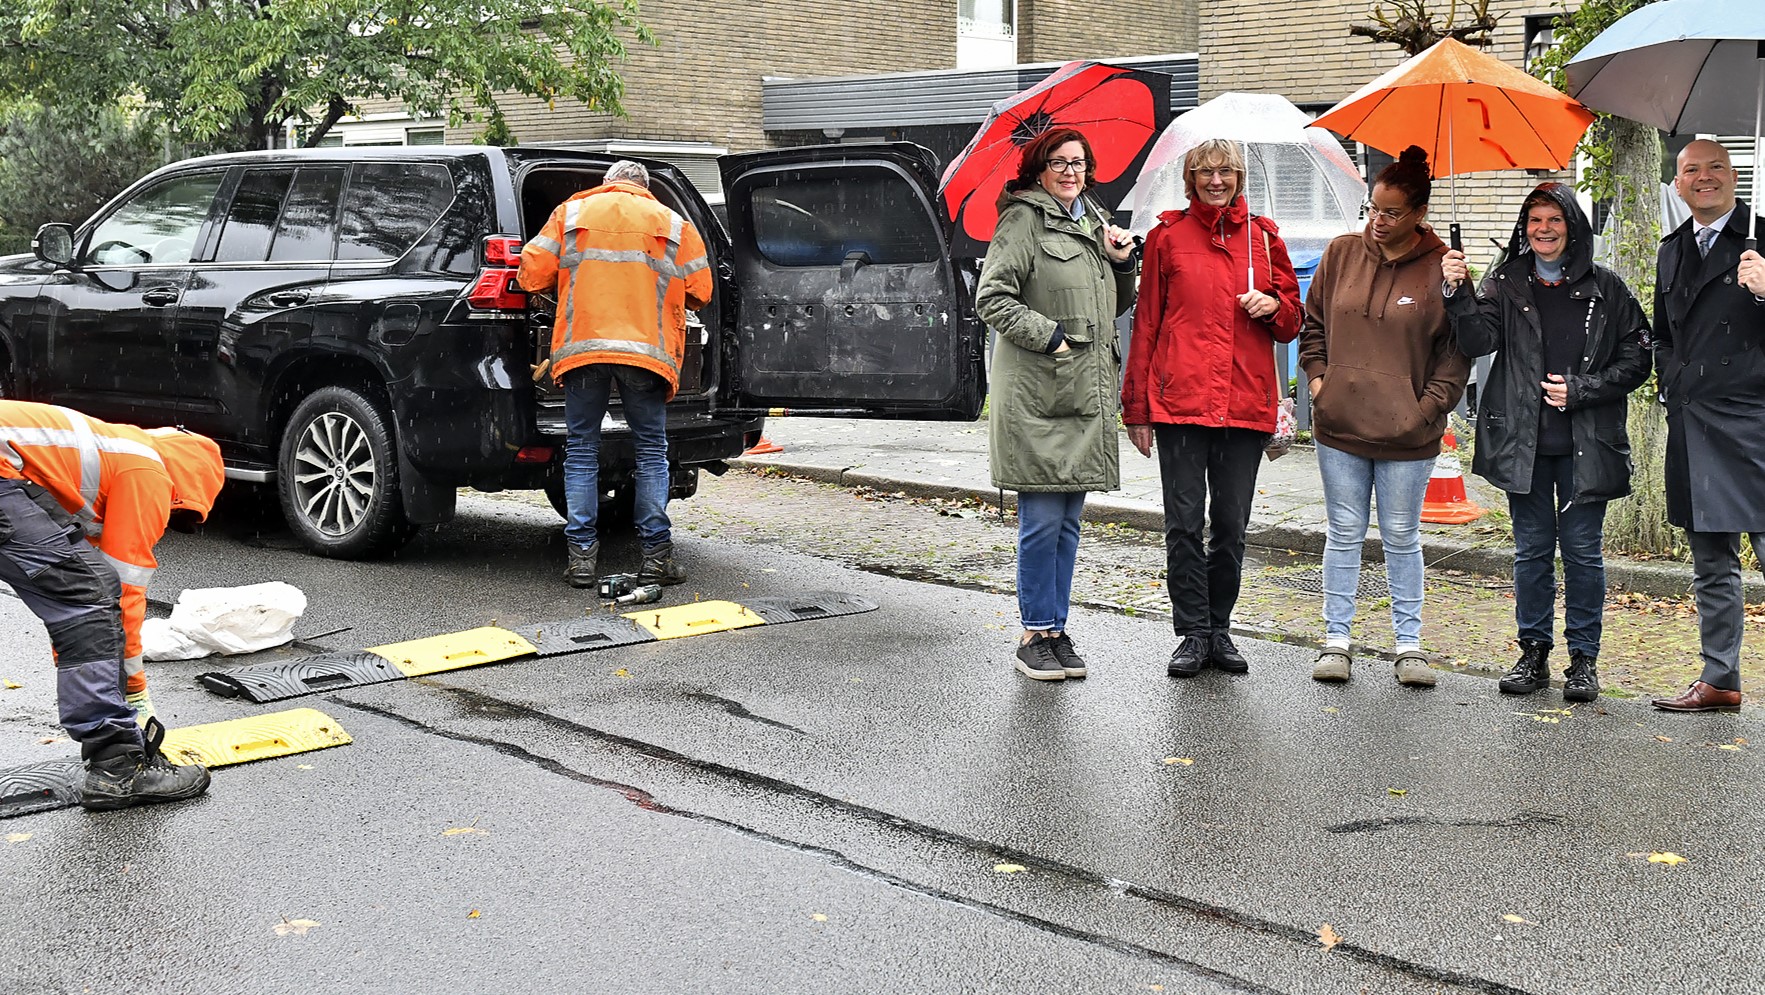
[{"x": 821, "y": 806}]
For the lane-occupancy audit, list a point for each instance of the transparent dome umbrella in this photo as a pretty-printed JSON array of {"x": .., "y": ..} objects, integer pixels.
[{"x": 1299, "y": 176}]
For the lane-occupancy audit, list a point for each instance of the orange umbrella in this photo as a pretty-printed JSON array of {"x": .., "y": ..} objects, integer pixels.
[{"x": 1471, "y": 112}]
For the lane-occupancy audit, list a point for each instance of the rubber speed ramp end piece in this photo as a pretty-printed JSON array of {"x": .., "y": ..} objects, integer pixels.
[
  {"x": 696, "y": 618},
  {"x": 256, "y": 737},
  {"x": 41, "y": 787},
  {"x": 454, "y": 650}
]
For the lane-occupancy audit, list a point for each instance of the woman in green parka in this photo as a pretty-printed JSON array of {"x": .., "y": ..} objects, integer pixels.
[{"x": 1056, "y": 275}]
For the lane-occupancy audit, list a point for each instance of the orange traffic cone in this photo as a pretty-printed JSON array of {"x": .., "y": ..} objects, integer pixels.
[
  {"x": 1446, "y": 502},
  {"x": 766, "y": 447}
]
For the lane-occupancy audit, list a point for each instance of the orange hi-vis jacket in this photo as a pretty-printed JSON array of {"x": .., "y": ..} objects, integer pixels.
[
  {"x": 122, "y": 483},
  {"x": 626, "y": 269}
]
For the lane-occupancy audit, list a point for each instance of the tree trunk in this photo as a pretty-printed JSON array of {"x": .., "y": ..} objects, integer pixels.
[{"x": 1638, "y": 524}]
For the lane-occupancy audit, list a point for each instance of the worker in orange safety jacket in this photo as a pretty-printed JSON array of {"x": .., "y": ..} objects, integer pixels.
[
  {"x": 63, "y": 475},
  {"x": 626, "y": 270}
]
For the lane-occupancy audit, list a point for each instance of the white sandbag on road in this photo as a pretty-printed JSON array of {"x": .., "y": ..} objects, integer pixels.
[{"x": 225, "y": 620}]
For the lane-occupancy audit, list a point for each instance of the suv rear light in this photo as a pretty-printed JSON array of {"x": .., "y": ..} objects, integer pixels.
[
  {"x": 534, "y": 454},
  {"x": 495, "y": 289}
]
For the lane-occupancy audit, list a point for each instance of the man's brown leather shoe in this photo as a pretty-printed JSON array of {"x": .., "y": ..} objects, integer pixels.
[{"x": 1701, "y": 697}]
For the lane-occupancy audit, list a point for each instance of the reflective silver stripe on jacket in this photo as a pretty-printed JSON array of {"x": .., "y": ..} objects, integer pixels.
[
  {"x": 87, "y": 444},
  {"x": 545, "y": 243},
  {"x": 134, "y": 665},
  {"x": 667, "y": 269},
  {"x": 616, "y": 345},
  {"x": 128, "y": 572}
]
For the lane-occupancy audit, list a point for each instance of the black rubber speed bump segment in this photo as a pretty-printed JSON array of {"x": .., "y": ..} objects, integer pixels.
[
  {"x": 805, "y": 607},
  {"x": 579, "y": 635},
  {"x": 267, "y": 682},
  {"x": 41, "y": 787}
]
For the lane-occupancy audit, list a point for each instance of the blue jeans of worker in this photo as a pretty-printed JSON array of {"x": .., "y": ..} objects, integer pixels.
[
  {"x": 643, "y": 398},
  {"x": 46, "y": 560},
  {"x": 1545, "y": 521},
  {"x": 1047, "y": 548},
  {"x": 1351, "y": 485}
]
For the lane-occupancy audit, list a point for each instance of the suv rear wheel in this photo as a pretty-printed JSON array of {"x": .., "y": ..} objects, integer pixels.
[{"x": 338, "y": 476}]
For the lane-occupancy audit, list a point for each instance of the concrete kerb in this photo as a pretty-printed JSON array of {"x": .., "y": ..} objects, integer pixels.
[{"x": 1440, "y": 552}]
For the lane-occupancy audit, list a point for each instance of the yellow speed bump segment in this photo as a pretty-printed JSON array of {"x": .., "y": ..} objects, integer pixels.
[
  {"x": 454, "y": 650},
  {"x": 693, "y": 619},
  {"x": 257, "y": 737}
]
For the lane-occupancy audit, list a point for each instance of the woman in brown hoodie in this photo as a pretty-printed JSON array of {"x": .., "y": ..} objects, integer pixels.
[{"x": 1384, "y": 371}]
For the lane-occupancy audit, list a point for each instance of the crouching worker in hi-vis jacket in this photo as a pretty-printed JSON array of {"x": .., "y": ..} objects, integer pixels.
[{"x": 64, "y": 476}]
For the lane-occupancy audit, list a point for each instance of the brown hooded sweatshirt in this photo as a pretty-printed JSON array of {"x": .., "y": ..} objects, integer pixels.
[{"x": 1376, "y": 331}]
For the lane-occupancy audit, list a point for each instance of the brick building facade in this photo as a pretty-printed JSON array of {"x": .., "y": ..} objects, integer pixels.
[
  {"x": 701, "y": 81},
  {"x": 1302, "y": 50}
]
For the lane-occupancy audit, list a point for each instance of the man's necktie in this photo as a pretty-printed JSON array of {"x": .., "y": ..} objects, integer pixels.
[{"x": 1705, "y": 238}]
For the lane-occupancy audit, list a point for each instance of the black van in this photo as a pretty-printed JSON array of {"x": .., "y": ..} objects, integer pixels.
[{"x": 345, "y": 322}]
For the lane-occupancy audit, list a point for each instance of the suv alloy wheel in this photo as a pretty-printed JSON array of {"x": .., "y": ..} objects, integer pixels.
[{"x": 338, "y": 476}]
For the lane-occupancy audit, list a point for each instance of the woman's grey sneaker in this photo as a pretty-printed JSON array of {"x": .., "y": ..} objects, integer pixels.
[
  {"x": 1332, "y": 665},
  {"x": 1582, "y": 681},
  {"x": 124, "y": 775},
  {"x": 1070, "y": 660},
  {"x": 1413, "y": 670},
  {"x": 1036, "y": 660},
  {"x": 1531, "y": 671},
  {"x": 1190, "y": 657}
]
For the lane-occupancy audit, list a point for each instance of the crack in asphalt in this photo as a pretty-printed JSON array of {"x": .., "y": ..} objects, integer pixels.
[
  {"x": 1088, "y": 878},
  {"x": 1519, "y": 819},
  {"x": 741, "y": 711}
]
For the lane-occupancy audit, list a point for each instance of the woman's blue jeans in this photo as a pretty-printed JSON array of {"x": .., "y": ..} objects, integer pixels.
[
  {"x": 1351, "y": 484},
  {"x": 1544, "y": 520},
  {"x": 1047, "y": 548}
]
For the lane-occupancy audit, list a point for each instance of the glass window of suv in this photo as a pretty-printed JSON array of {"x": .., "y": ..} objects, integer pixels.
[
  {"x": 251, "y": 218},
  {"x": 156, "y": 227},
  {"x": 309, "y": 220},
  {"x": 389, "y": 206},
  {"x": 813, "y": 219}
]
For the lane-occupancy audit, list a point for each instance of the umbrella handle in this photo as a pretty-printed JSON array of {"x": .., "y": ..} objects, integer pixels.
[{"x": 1457, "y": 238}]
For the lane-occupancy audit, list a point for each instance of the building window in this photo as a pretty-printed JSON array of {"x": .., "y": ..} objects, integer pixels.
[
  {"x": 424, "y": 136},
  {"x": 986, "y": 33},
  {"x": 1541, "y": 37}
]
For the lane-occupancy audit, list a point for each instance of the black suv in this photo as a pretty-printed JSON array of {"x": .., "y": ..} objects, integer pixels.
[{"x": 345, "y": 321}]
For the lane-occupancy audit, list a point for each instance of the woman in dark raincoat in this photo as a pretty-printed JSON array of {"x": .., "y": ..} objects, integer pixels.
[{"x": 1568, "y": 341}]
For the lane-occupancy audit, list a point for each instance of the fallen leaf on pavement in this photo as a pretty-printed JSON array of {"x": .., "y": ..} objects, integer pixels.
[
  {"x": 1331, "y": 709},
  {"x": 17, "y": 837},
  {"x": 303, "y": 766},
  {"x": 1664, "y": 739},
  {"x": 1398, "y": 792},
  {"x": 1008, "y": 868},
  {"x": 1741, "y": 740},
  {"x": 49, "y": 740},
  {"x": 12, "y": 685},
  {"x": 1510, "y": 917},
  {"x": 295, "y": 927},
  {"x": 819, "y": 917},
  {"x": 1729, "y": 747},
  {"x": 474, "y": 914},
  {"x": 471, "y": 830},
  {"x": 1327, "y": 937},
  {"x": 1668, "y": 858},
  {"x": 621, "y": 672},
  {"x": 1552, "y": 719},
  {"x": 1185, "y": 761}
]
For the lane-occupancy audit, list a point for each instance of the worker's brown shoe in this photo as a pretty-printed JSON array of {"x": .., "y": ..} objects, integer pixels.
[{"x": 1700, "y": 697}]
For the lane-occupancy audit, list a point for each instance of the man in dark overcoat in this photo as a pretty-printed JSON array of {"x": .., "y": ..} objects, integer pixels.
[{"x": 1710, "y": 354}]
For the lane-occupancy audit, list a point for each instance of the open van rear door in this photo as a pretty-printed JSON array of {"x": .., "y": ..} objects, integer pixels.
[{"x": 848, "y": 300}]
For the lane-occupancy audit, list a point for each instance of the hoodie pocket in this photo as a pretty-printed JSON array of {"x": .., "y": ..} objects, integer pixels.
[{"x": 1373, "y": 407}]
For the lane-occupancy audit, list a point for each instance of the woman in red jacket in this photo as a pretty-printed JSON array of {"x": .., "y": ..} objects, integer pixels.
[{"x": 1217, "y": 291}]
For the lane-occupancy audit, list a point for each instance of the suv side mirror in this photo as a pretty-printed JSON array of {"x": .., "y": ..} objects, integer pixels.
[{"x": 54, "y": 244}]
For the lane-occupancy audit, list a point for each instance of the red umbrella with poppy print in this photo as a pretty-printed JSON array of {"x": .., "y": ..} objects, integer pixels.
[{"x": 1120, "y": 112}]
